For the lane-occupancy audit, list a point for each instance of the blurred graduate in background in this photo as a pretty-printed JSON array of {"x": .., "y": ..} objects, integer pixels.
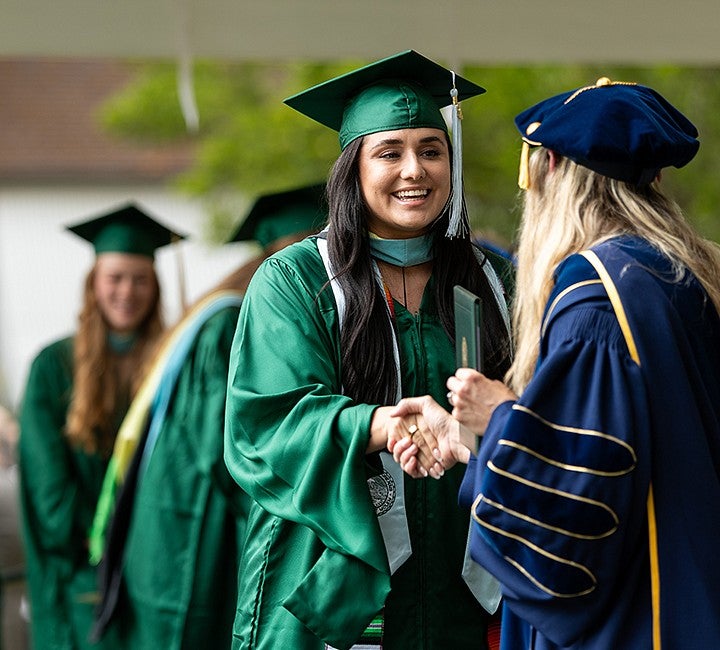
[
  {"x": 77, "y": 393},
  {"x": 171, "y": 549}
]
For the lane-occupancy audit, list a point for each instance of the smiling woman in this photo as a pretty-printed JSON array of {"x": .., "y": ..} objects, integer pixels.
[
  {"x": 405, "y": 180},
  {"x": 343, "y": 551},
  {"x": 125, "y": 287},
  {"x": 76, "y": 396}
]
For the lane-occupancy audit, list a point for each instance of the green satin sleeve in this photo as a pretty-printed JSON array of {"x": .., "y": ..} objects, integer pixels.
[
  {"x": 58, "y": 490},
  {"x": 293, "y": 441},
  {"x": 49, "y": 491}
]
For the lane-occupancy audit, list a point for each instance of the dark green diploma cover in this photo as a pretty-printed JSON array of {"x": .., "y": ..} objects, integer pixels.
[
  {"x": 468, "y": 344},
  {"x": 468, "y": 329}
]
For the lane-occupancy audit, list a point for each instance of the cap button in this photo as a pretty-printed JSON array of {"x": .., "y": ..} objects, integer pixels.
[{"x": 603, "y": 81}]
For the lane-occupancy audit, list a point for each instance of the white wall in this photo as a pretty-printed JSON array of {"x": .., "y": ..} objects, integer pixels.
[{"x": 43, "y": 266}]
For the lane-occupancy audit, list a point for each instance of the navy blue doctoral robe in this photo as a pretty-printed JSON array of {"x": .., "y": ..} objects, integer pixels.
[{"x": 596, "y": 496}]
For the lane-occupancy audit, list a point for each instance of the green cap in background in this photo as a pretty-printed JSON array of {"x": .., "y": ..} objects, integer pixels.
[
  {"x": 126, "y": 229},
  {"x": 403, "y": 91},
  {"x": 280, "y": 214}
]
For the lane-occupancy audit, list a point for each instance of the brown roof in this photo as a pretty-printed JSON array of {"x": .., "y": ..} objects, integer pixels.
[{"x": 49, "y": 129}]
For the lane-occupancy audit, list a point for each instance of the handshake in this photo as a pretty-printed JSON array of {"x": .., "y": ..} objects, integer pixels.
[{"x": 425, "y": 439}]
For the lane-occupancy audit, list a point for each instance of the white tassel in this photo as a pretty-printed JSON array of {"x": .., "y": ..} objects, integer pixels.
[
  {"x": 186, "y": 94},
  {"x": 180, "y": 269},
  {"x": 458, "y": 225},
  {"x": 185, "y": 84}
]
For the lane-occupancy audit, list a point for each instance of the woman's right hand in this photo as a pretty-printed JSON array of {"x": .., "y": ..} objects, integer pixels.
[
  {"x": 414, "y": 447},
  {"x": 436, "y": 422},
  {"x": 388, "y": 431}
]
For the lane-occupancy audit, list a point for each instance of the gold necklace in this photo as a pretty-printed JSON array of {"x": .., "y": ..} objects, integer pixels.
[{"x": 405, "y": 302}]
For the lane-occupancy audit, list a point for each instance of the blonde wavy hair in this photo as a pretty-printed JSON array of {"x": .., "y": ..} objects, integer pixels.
[
  {"x": 572, "y": 208},
  {"x": 98, "y": 398}
]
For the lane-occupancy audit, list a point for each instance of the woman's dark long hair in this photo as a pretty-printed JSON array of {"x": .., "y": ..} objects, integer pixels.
[{"x": 368, "y": 366}]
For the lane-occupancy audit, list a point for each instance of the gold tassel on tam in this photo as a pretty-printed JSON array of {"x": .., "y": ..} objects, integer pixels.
[{"x": 524, "y": 173}]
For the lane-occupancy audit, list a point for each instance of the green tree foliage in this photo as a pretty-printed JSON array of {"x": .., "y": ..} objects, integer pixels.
[{"x": 250, "y": 143}]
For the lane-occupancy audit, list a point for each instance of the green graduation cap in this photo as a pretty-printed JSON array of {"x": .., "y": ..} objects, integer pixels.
[
  {"x": 277, "y": 215},
  {"x": 403, "y": 91},
  {"x": 127, "y": 229},
  {"x": 406, "y": 90}
]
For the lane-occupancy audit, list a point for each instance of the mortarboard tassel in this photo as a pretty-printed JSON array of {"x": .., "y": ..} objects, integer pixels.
[
  {"x": 186, "y": 94},
  {"x": 458, "y": 225},
  {"x": 524, "y": 172},
  {"x": 180, "y": 267},
  {"x": 185, "y": 83}
]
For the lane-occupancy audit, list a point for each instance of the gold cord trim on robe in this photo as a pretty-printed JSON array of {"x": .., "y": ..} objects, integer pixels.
[
  {"x": 581, "y": 432},
  {"x": 541, "y": 524},
  {"x": 567, "y": 467},
  {"x": 544, "y": 488},
  {"x": 614, "y": 296},
  {"x": 654, "y": 570},
  {"x": 560, "y": 296},
  {"x": 540, "y": 551}
]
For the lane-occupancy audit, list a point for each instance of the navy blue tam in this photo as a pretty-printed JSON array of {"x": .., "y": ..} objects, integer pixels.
[{"x": 618, "y": 129}]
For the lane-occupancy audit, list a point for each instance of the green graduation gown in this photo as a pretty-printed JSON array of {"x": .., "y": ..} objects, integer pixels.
[
  {"x": 314, "y": 567},
  {"x": 59, "y": 488},
  {"x": 188, "y": 516}
]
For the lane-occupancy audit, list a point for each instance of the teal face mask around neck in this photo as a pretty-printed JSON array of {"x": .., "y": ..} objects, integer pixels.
[
  {"x": 402, "y": 252},
  {"x": 121, "y": 343}
]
